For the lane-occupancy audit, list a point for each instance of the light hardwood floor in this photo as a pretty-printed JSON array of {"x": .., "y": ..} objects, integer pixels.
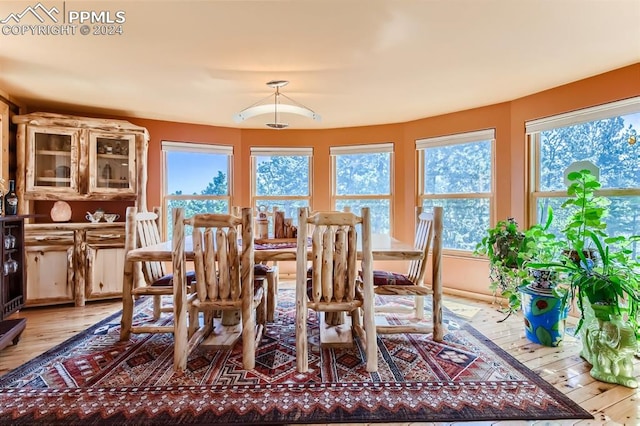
[{"x": 561, "y": 366}]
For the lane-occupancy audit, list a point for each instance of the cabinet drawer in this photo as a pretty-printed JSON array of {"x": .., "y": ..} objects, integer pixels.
[
  {"x": 111, "y": 237},
  {"x": 33, "y": 238}
]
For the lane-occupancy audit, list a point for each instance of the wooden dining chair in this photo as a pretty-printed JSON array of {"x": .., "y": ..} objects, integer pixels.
[
  {"x": 142, "y": 229},
  {"x": 335, "y": 285},
  {"x": 224, "y": 282},
  {"x": 387, "y": 284},
  {"x": 268, "y": 270}
]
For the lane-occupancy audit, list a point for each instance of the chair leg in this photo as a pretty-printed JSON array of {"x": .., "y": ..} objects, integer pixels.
[
  {"x": 302, "y": 356},
  {"x": 127, "y": 303},
  {"x": 419, "y": 306},
  {"x": 194, "y": 323},
  {"x": 180, "y": 337},
  {"x": 272, "y": 298},
  {"x": 438, "y": 326},
  {"x": 369, "y": 323},
  {"x": 248, "y": 335},
  {"x": 371, "y": 349},
  {"x": 262, "y": 308},
  {"x": 157, "y": 307},
  {"x": 356, "y": 318}
]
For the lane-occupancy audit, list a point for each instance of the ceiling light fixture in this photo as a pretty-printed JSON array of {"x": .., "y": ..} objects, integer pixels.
[{"x": 277, "y": 107}]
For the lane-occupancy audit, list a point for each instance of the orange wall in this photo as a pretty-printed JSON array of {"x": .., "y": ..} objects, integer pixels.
[
  {"x": 181, "y": 132},
  {"x": 508, "y": 118}
]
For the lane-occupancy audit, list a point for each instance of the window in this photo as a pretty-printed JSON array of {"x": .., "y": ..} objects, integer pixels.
[
  {"x": 605, "y": 136},
  {"x": 456, "y": 172},
  {"x": 196, "y": 177},
  {"x": 362, "y": 178},
  {"x": 282, "y": 179}
]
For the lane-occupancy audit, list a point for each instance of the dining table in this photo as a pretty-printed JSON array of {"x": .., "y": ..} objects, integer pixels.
[{"x": 384, "y": 248}]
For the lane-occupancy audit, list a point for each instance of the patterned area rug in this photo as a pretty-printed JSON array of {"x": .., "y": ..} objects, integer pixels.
[{"x": 95, "y": 379}]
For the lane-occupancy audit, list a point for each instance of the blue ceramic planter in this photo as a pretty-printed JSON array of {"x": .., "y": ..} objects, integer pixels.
[{"x": 544, "y": 316}]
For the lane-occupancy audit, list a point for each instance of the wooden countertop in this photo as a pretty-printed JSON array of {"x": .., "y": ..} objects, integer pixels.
[{"x": 72, "y": 226}]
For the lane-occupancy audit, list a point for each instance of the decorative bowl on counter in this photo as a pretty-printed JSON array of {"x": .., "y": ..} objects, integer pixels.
[{"x": 111, "y": 217}]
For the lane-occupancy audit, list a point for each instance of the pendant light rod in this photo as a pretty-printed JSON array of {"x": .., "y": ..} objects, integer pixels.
[{"x": 276, "y": 124}]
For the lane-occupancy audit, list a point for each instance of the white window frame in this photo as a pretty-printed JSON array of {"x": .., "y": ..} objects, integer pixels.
[
  {"x": 374, "y": 148},
  {"x": 457, "y": 139},
  {"x": 172, "y": 146}
]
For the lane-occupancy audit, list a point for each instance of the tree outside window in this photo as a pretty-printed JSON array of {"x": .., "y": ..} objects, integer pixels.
[
  {"x": 609, "y": 142},
  {"x": 362, "y": 178},
  {"x": 456, "y": 172},
  {"x": 282, "y": 179},
  {"x": 196, "y": 178}
]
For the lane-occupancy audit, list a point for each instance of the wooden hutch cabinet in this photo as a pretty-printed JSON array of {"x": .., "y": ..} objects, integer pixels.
[{"x": 89, "y": 163}]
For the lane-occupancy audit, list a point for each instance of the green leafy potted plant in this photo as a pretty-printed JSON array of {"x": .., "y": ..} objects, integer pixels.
[
  {"x": 588, "y": 213},
  {"x": 607, "y": 293},
  {"x": 509, "y": 251},
  {"x": 603, "y": 282},
  {"x": 502, "y": 246},
  {"x": 541, "y": 246}
]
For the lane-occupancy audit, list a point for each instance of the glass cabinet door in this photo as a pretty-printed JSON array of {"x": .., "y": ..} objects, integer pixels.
[
  {"x": 52, "y": 159},
  {"x": 112, "y": 163}
]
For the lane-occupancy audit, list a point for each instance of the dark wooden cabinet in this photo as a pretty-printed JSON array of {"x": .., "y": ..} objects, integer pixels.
[{"x": 12, "y": 284}]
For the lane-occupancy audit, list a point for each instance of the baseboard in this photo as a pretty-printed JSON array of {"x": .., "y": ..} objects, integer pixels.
[{"x": 475, "y": 296}]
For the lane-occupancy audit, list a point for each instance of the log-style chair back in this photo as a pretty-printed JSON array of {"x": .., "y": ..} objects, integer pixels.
[
  {"x": 269, "y": 270},
  {"x": 148, "y": 233},
  {"x": 223, "y": 274},
  {"x": 428, "y": 236},
  {"x": 334, "y": 283},
  {"x": 149, "y": 278},
  {"x": 216, "y": 257},
  {"x": 422, "y": 241}
]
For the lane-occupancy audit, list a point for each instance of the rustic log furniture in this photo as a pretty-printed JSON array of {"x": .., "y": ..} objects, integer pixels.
[
  {"x": 224, "y": 281},
  {"x": 334, "y": 284},
  {"x": 64, "y": 157},
  {"x": 384, "y": 247},
  {"x": 142, "y": 230},
  {"x": 87, "y": 163},
  {"x": 428, "y": 234},
  {"x": 263, "y": 269}
]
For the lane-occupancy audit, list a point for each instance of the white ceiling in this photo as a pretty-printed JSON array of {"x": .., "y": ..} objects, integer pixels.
[{"x": 353, "y": 62}]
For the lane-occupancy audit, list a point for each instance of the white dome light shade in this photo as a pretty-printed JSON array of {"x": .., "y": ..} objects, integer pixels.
[
  {"x": 254, "y": 111},
  {"x": 276, "y": 107}
]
